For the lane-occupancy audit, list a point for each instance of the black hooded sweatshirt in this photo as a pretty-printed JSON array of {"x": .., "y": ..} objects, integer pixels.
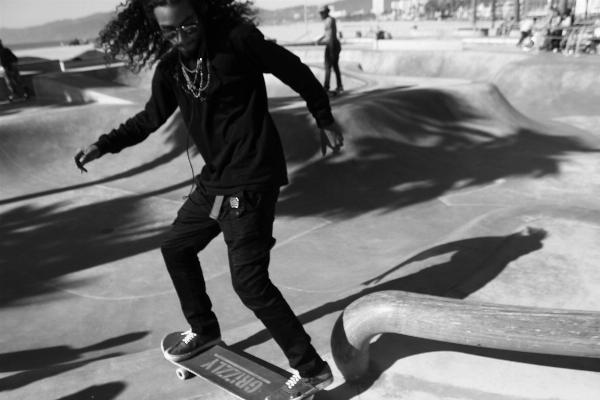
[{"x": 232, "y": 128}]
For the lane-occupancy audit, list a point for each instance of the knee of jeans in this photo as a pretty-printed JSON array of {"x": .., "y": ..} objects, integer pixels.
[
  {"x": 258, "y": 299},
  {"x": 171, "y": 251},
  {"x": 251, "y": 252}
]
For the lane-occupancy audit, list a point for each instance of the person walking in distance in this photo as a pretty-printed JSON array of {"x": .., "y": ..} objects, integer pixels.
[
  {"x": 526, "y": 29},
  {"x": 333, "y": 49},
  {"x": 12, "y": 76},
  {"x": 210, "y": 63}
]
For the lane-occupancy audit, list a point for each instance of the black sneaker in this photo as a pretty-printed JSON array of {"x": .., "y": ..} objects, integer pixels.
[
  {"x": 190, "y": 345},
  {"x": 298, "y": 388}
]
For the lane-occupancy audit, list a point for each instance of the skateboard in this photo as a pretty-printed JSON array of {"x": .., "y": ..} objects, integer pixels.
[
  {"x": 14, "y": 100},
  {"x": 238, "y": 373}
]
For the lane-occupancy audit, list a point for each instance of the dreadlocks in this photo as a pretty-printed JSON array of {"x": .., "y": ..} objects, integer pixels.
[{"x": 134, "y": 33}]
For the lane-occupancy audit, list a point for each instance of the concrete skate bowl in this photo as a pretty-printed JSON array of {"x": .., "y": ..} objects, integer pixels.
[
  {"x": 275, "y": 88},
  {"x": 423, "y": 168},
  {"x": 543, "y": 86}
]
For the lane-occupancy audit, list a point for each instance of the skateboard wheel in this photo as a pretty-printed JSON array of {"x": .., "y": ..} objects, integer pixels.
[{"x": 182, "y": 373}]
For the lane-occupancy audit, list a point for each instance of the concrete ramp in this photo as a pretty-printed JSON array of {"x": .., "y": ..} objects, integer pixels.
[{"x": 443, "y": 188}]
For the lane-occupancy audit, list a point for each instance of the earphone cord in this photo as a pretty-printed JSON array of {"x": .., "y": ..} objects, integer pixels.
[{"x": 187, "y": 149}]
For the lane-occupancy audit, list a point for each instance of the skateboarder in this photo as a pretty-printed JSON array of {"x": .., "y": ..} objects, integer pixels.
[
  {"x": 211, "y": 59},
  {"x": 333, "y": 49},
  {"x": 12, "y": 76}
]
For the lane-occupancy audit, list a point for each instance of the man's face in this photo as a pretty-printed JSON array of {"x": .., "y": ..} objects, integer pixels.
[
  {"x": 324, "y": 14},
  {"x": 172, "y": 17}
]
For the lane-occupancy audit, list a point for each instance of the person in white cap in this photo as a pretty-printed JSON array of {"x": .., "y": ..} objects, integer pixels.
[{"x": 333, "y": 49}]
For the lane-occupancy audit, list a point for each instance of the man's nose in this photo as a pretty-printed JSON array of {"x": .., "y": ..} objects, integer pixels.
[{"x": 179, "y": 36}]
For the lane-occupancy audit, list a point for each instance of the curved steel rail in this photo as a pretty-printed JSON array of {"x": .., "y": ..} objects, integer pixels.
[{"x": 528, "y": 329}]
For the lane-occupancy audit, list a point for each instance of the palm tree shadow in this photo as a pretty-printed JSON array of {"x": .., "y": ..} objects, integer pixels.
[
  {"x": 43, "y": 244},
  {"x": 38, "y": 364},
  {"x": 107, "y": 391},
  {"x": 405, "y": 147}
]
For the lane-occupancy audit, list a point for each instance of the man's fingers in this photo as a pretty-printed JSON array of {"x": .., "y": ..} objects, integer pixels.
[
  {"x": 80, "y": 160},
  {"x": 338, "y": 139},
  {"x": 324, "y": 141}
]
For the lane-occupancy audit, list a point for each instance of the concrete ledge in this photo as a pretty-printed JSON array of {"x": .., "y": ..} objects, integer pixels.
[
  {"x": 53, "y": 88},
  {"x": 435, "y": 45},
  {"x": 468, "y": 32},
  {"x": 490, "y": 40},
  {"x": 424, "y": 62},
  {"x": 39, "y": 66}
]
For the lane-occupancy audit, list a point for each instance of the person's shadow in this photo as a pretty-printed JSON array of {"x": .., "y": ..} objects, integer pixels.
[{"x": 473, "y": 263}]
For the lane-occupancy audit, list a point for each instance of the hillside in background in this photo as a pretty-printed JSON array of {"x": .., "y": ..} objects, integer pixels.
[{"x": 87, "y": 28}]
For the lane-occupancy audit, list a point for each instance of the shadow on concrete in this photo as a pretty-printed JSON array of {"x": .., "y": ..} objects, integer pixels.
[
  {"x": 42, "y": 244},
  {"x": 465, "y": 273},
  {"x": 34, "y": 365},
  {"x": 176, "y": 143},
  {"x": 406, "y": 146},
  {"x": 421, "y": 144},
  {"x": 47, "y": 357},
  {"x": 108, "y": 391},
  {"x": 474, "y": 263}
]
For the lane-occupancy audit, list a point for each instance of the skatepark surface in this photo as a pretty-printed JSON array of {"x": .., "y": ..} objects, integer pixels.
[{"x": 468, "y": 175}]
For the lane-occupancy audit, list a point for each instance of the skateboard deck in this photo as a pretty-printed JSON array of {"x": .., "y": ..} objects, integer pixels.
[
  {"x": 239, "y": 373},
  {"x": 15, "y": 100},
  {"x": 335, "y": 93}
]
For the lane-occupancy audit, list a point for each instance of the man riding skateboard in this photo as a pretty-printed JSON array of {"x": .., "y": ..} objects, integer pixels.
[{"x": 211, "y": 59}]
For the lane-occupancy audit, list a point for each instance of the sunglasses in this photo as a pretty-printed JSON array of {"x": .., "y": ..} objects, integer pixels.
[{"x": 171, "y": 34}]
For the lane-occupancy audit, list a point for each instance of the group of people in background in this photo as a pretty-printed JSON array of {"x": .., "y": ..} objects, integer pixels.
[{"x": 556, "y": 27}]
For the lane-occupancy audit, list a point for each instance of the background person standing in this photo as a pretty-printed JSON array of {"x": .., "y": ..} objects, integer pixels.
[
  {"x": 333, "y": 49},
  {"x": 12, "y": 76},
  {"x": 526, "y": 29}
]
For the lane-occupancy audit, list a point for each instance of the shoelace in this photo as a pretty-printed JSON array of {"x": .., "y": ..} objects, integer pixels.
[
  {"x": 292, "y": 381},
  {"x": 189, "y": 335}
]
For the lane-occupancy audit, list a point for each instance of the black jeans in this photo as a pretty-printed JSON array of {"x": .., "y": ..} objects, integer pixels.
[
  {"x": 246, "y": 220},
  {"x": 332, "y": 57}
]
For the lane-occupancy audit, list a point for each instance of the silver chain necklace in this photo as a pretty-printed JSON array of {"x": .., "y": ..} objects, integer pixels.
[{"x": 195, "y": 78}]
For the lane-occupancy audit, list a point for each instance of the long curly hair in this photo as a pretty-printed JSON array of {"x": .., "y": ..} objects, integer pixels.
[{"x": 133, "y": 35}]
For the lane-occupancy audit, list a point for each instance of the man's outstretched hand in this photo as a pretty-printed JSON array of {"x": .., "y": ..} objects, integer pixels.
[
  {"x": 331, "y": 137},
  {"x": 84, "y": 156}
]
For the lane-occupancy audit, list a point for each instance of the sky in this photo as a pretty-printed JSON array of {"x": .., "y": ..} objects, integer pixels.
[{"x": 24, "y": 13}]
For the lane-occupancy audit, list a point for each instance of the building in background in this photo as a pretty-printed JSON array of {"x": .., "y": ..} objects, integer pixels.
[
  {"x": 381, "y": 7},
  {"x": 587, "y": 7}
]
